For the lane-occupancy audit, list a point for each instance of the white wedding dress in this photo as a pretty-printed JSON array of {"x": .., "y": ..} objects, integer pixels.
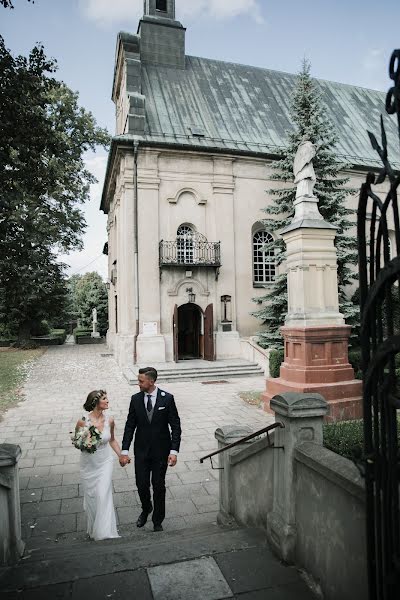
[{"x": 96, "y": 477}]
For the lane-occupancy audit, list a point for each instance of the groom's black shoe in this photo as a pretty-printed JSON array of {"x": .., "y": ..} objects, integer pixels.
[
  {"x": 158, "y": 528},
  {"x": 142, "y": 519}
]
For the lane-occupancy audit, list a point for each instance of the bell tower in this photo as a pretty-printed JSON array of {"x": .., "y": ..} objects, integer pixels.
[
  {"x": 160, "y": 8},
  {"x": 162, "y": 38}
]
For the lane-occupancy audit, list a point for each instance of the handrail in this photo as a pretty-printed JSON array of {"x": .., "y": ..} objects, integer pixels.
[{"x": 245, "y": 439}]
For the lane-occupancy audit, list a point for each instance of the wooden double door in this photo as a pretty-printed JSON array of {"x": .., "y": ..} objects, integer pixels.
[{"x": 193, "y": 332}]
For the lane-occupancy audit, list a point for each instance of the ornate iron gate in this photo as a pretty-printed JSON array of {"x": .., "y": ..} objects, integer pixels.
[{"x": 379, "y": 268}]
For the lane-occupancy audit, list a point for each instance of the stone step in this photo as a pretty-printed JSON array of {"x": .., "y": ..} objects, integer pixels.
[
  {"x": 50, "y": 566},
  {"x": 217, "y": 372}
]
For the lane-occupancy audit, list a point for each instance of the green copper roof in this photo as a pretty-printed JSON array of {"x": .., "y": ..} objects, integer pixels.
[{"x": 219, "y": 105}]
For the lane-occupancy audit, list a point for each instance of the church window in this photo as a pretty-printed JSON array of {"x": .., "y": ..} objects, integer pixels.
[
  {"x": 161, "y": 5},
  {"x": 184, "y": 244},
  {"x": 264, "y": 266}
]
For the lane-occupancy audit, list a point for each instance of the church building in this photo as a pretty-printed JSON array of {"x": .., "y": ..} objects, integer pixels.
[{"x": 187, "y": 178}]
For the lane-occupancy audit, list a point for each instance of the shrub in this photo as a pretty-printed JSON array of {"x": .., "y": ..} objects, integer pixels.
[
  {"x": 275, "y": 360},
  {"x": 345, "y": 438},
  {"x": 355, "y": 361},
  {"x": 61, "y": 334},
  {"x": 40, "y": 328}
]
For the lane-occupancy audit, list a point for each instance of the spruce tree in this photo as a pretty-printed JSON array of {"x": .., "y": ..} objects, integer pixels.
[{"x": 308, "y": 115}]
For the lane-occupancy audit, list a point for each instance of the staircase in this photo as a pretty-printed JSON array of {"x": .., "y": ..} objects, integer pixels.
[
  {"x": 199, "y": 370},
  {"x": 201, "y": 563}
]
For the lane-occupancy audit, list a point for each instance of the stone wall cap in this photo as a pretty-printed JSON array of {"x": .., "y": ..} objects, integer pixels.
[
  {"x": 297, "y": 404},
  {"x": 231, "y": 433},
  {"x": 9, "y": 454},
  {"x": 308, "y": 224}
]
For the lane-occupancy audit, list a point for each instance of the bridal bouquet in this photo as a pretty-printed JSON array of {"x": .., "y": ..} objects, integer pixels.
[{"x": 86, "y": 439}]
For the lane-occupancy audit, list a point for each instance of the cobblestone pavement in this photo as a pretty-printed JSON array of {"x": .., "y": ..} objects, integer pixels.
[{"x": 51, "y": 497}]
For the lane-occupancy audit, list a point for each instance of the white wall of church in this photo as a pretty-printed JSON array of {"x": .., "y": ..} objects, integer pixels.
[{"x": 219, "y": 196}]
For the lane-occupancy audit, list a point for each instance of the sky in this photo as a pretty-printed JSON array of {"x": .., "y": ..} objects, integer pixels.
[{"x": 349, "y": 41}]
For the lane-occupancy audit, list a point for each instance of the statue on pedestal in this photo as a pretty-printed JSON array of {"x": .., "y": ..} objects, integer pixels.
[
  {"x": 95, "y": 333},
  {"x": 304, "y": 174}
]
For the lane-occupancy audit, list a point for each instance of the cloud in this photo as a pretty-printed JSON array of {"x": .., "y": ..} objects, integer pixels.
[
  {"x": 222, "y": 9},
  {"x": 105, "y": 13}
]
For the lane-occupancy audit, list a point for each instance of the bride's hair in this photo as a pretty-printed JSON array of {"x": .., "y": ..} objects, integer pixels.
[{"x": 93, "y": 399}]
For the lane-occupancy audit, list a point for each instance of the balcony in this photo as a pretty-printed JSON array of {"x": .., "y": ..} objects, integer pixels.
[{"x": 189, "y": 254}]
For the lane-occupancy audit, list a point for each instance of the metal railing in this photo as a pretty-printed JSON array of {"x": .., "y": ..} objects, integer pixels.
[
  {"x": 190, "y": 253},
  {"x": 246, "y": 439}
]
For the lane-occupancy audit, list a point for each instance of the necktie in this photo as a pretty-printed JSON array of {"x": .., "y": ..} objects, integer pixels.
[{"x": 149, "y": 403}]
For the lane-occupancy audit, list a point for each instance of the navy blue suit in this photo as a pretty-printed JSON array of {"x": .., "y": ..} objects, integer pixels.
[{"x": 153, "y": 442}]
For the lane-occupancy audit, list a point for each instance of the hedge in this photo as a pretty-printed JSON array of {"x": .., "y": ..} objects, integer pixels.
[
  {"x": 275, "y": 359},
  {"x": 347, "y": 438}
]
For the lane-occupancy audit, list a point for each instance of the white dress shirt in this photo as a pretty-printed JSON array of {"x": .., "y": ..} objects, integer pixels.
[{"x": 153, "y": 395}]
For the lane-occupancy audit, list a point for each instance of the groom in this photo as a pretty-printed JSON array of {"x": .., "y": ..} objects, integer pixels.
[{"x": 154, "y": 416}]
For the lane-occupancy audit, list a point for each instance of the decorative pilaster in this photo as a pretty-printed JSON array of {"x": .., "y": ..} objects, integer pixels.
[{"x": 302, "y": 416}]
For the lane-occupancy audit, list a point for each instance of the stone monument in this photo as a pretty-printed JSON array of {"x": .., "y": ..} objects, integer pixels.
[
  {"x": 95, "y": 333},
  {"x": 315, "y": 334}
]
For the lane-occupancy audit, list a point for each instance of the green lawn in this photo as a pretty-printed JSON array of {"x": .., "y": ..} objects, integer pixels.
[{"x": 14, "y": 367}]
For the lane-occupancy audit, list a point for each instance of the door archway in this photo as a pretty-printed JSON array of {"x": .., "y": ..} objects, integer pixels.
[{"x": 190, "y": 319}]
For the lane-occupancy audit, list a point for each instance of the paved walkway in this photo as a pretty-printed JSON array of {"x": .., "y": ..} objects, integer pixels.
[{"x": 52, "y": 510}]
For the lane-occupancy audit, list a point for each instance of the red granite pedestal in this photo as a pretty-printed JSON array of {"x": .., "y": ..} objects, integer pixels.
[{"x": 316, "y": 360}]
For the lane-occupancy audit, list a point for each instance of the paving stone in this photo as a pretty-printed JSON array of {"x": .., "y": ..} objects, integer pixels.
[
  {"x": 34, "y": 471},
  {"x": 125, "y": 499},
  {"x": 254, "y": 568},
  {"x": 59, "y": 492},
  {"x": 68, "y": 478},
  {"x": 188, "y": 490},
  {"x": 71, "y": 505},
  {"x": 28, "y": 496},
  {"x": 54, "y": 525},
  {"x": 297, "y": 591},
  {"x": 197, "y": 477},
  {"x": 72, "y": 468},
  {"x": 41, "y": 509},
  {"x": 49, "y": 461},
  {"x": 201, "y": 519},
  {"x": 128, "y": 514},
  {"x": 42, "y": 482},
  {"x": 118, "y": 586},
  {"x": 199, "y": 579},
  {"x": 180, "y": 508},
  {"x": 124, "y": 485}
]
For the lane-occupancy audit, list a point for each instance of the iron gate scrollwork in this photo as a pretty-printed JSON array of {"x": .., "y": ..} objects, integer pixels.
[{"x": 379, "y": 270}]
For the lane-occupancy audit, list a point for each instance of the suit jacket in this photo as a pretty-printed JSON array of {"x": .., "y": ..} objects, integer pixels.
[{"x": 157, "y": 438}]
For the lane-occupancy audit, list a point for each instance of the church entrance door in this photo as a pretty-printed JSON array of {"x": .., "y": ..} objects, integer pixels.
[{"x": 189, "y": 332}]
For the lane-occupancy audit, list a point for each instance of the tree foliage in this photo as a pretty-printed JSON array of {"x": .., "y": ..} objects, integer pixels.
[
  {"x": 310, "y": 122},
  {"x": 43, "y": 181},
  {"x": 89, "y": 292},
  {"x": 9, "y": 3}
]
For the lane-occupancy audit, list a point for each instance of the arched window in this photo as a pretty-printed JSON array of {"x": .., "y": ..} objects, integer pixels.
[
  {"x": 264, "y": 266},
  {"x": 184, "y": 243}
]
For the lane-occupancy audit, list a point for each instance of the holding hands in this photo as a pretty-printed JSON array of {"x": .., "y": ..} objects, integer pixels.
[{"x": 124, "y": 460}]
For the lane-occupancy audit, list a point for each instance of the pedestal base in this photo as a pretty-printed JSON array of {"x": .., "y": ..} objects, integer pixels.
[{"x": 316, "y": 360}]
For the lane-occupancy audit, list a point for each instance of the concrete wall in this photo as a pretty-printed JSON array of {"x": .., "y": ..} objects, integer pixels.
[
  {"x": 309, "y": 500},
  {"x": 330, "y": 522},
  {"x": 252, "y": 482}
]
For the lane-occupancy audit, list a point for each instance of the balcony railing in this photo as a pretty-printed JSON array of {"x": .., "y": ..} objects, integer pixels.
[{"x": 190, "y": 253}]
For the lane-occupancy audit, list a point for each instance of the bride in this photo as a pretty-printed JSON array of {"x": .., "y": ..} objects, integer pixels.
[{"x": 96, "y": 469}]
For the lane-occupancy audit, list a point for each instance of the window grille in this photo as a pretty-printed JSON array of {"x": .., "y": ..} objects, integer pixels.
[
  {"x": 184, "y": 238},
  {"x": 264, "y": 266}
]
